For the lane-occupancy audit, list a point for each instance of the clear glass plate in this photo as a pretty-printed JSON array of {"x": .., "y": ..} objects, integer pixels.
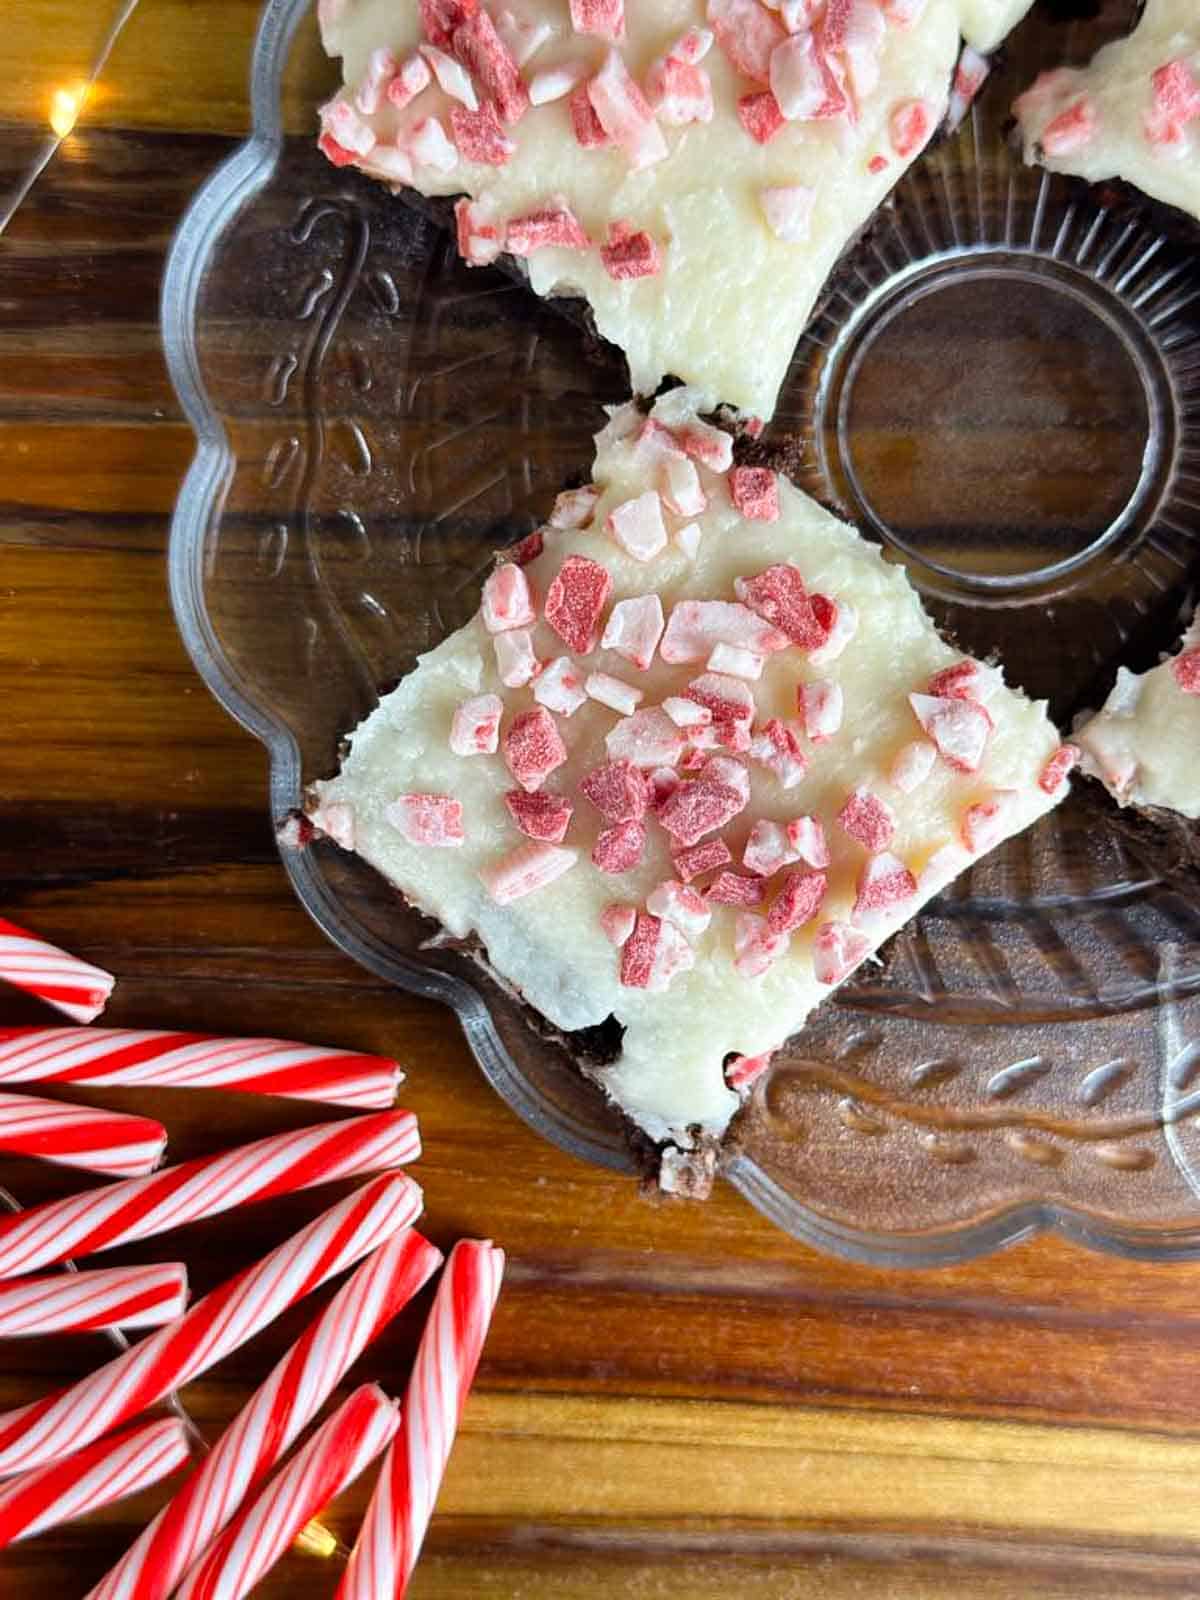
[{"x": 1001, "y": 386}]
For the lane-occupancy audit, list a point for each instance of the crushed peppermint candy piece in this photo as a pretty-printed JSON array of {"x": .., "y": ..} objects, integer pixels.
[
  {"x": 698, "y": 808},
  {"x": 983, "y": 824},
  {"x": 841, "y": 630},
  {"x": 475, "y": 729},
  {"x": 604, "y": 18},
  {"x": 573, "y": 508},
  {"x": 686, "y": 713},
  {"x": 555, "y": 83},
  {"x": 1185, "y": 669},
  {"x": 962, "y": 681},
  {"x": 621, "y": 847},
  {"x": 585, "y": 124},
  {"x": 868, "y": 819},
  {"x": 625, "y": 114},
  {"x": 480, "y": 236},
  {"x": 559, "y": 687},
  {"x": 680, "y": 486},
  {"x": 637, "y": 526},
  {"x": 729, "y": 699},
  {"x": 799, "y": 899},
  {"x": 969, "y": 77},
  {"x": 755, "y": 493},
  {"x": 695, "y": 627},
  {"x": 959, "y": 728},
  {"x": 648, "y": 738},
  {"x": 1071, "y": 130},
  {"x": 807, "y": 839},
  {"x": 429, "y": 145},
  {"x": 653, "y": 954},
  {"x": 1059, "y": 767},
  {"x": 910, "y": 123},
  {"x": 711, "y": 447},
  {"x": 705, "y": 857},
  {"x": 428, "y": 819},
  {"x": 760, "y": 115},
  {"x": 553, "y": 225},
  {"x": 688, "y": 539},
  {"x": 802, "y": 80},
  {"x": 661, "y": 784},
  {"x": 381, "y": 69},
  {"x": 523, "y": 37},
  {"x": 634, "y": 628},
  {"x": 343, "y": 124},
  {"x": 779, "y": 595},
  {"x": 744, "y": 1071},
  {"x": 729, "y": 770},
  {"x": 515, "y": 659},
  {"x": 525, "y": 870},
  {"x": 692, "y": 46},
  {"x": 883, "y": 884},
  {"x": 617, "y": 922},
  {"x": 575, "y": 600},
  {"x": 453, "y": 79},
  {"x": 439, "y": 19},
  {"x": 617, "y": 790},
  {"x": 837, "y": 949},
  {"x": 747, "y": 33},
  {"x": 788, "y": 209},
  {"x": 412, "y": 78},
  {"x": 685, "y": 907},
  {"x": 756, "y": 948},
  {"x": 477, "y": 43},
  {"x": 480, "y": 136},
  {"x": 735, "y": 889},
  {"x": 767, "y": 848},
  {"x": 912, "y": 765},
  {"x": 540, "y": 816},
  {"x": 679, "y": 92},
  {"x": 630, "y": 253},
  {"x": 533, "y": 747},
  {"x": 738, "y": 663},
  {"x": 336, "y": 822},
  {"x": 776, "y": 746},
  {"x": 527, "y": 549},
  {"x": 821, "y": 704},
  {"x": 507, "y": 600},
  {"x": 612, "y": 692},
  {"x": 337, "y": 154}
]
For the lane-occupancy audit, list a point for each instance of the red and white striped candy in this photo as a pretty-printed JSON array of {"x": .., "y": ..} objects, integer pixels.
[
  {"x": 625, "y": 114},
  {"x": 63, "y": 981},
  {"x": 103, "y": 1473},
  {"x": 340, "y": 1449},
  {"x": 275, "y": 1415},
  {"x": 166, "y": 1060},
  {"x": 78, "y": 1136},
  {"x": 219, "y": 1323},
  {"x": 82, "y": 1302},
  {"x": 138, "y": 1208},
  {"x": 390, "y": 1541}
]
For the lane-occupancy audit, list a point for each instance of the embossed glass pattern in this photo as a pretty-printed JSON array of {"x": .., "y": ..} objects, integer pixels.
[{"x": 1001, "y": 386}]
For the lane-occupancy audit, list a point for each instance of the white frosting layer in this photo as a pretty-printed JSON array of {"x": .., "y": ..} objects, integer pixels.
[
  {"x": 1111, "y": 120},
  {"x": 726, "y": 308},
  {"x": 550, "y": 945},
  {"x": 1144, "y": 745}
]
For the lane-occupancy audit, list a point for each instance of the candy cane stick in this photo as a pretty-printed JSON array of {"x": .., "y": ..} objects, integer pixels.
[
  {"x": 274, "y": 1416},
  {"x": 140, "y": 1207},
  {"x": 214, "y": 1326},
  {"x": 197, "y": 1061},
  {"x": 106, "y": 1471},
  {"x": 76, "y": 1136},
  {"x": 62, "y": 980},
  {"x": 79, "y": 1302},
  {"x": 390, "y": 1539},
  {"x": 335, "y": 1455}
]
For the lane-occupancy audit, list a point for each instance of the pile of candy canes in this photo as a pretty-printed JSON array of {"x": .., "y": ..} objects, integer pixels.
[{"x": 243, "y": 1505}]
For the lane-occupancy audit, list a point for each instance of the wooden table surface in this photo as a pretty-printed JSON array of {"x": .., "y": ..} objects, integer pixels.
[{"x": 672, "y": 1397}]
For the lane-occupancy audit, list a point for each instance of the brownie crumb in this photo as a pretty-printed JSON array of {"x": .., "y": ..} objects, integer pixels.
[{"x": 688, "y": 1174}]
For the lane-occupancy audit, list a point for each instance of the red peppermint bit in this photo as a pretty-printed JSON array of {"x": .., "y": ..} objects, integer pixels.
[
  {"x": 412, "y": 78},
  {"x": 959, "y": 728},
  {"x": 779, "y": 595},
  {"x": 744, "y": 1071},
  {"x": 747, "y": 32},
  {"x": 638, "y": 951},
  {"x": 604, "y": 18},
  {"x": 755, "y": 493},
  {"x": 575, "y": 601},
  {"x": 679, "y": 92},
  {"x": 734, "y": 889},
  {"x": 335, "y": 152},
  {"x": 756, "y": 948},
  {"x": 613, "y": 692},
  {"x": 480, "y": 236},
  {"x": 876, "y": 165},
  {"x": 661, "y": 784},
  {"x": 697, "y": 757},
  {"x": 909, "y": 126},
  {"x": 1185, "y": 669},
  {"x": 480, "y": 136},
  {"x": 617, "y": 922},
  {"x": 625, "y": 113},
  {"x": 777, "y": 747},
  {"x": 680, "y": 486},
  {"x": 527, "y": 549},
  {"x": 698, "y": 808},
  {"x": 729, "y": 699},
  {"x": 836, "y": 950},
  {"x": 617, "y": 790},
  {"x": 959, "y": 682},
  {"x": 727, "y": 770},
  {"x": 884, "y": 883},
  {"x": 1176, "y": 92},
  {"x": 695, "y": 627},
  {"x": 711, "y": 447},
  {"x": 516, "y": 662},
  {"x": 573, "y": 507},
  {"x": 475, "y": 730},
  {"x": 767, "y": 849},
  {"x": 686, "y": 908},
  {"x": 428, "y": 819},
  {"x": 620, "y": 848},
  {"x": 481, "y": 49},
  {"x": 730, "y": 735},
  {"x": 798, "y": 901},
  {"x": 983, "y": 824},
  {"x": 637, "y": 526},
  {"x": 807, "y": 839},
  {"x": 634, "y": 628},
  {"x": 648, "y": 738},
  {"x": 805, "y": 81},
  {"x": 1071, "y": 130},
  {"x": 525, "y": 870},
  {"x": 552, "y": 225},
  {"x": 868, "y": 819},
  {"x": 821, "y": 704},
  {"x": 629, "y": 253},
  {"x": 541, "y": 816},
  {"x": 507, "y": 601},
  {"x": 1056, "y": 771},
  {"x": 533, "y": 747},
  {"x": 440, "y": 19},
  {"x": 585, "y": 124},
  {"x": 760, "y": 115},
  {"x": 559, "y": 687},
  {"x": 700, "y": 858}
]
